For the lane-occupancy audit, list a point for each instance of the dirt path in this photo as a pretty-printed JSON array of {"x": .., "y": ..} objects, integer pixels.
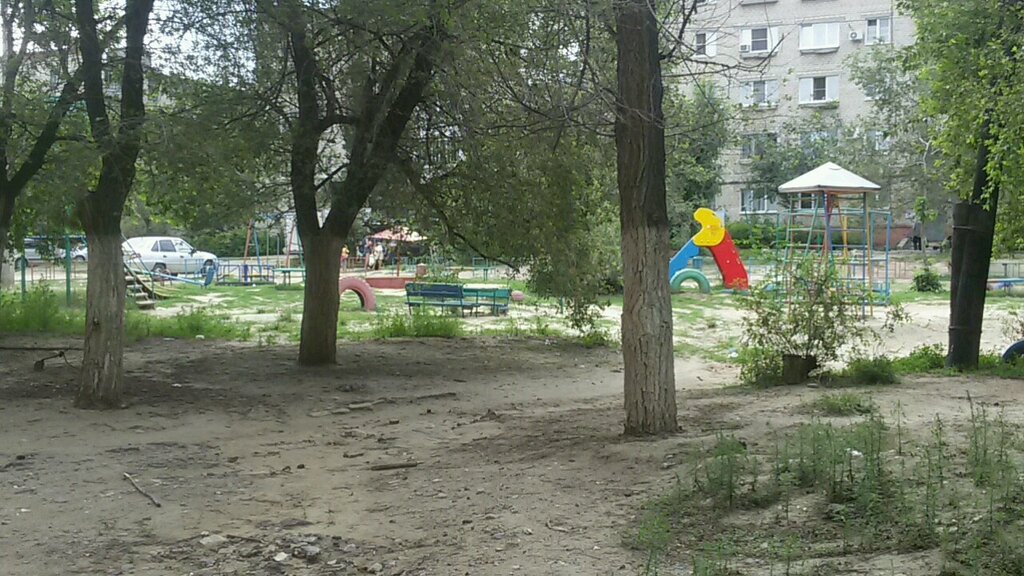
[
  {"x": 521, "y": 466},
  {"x": 264, "y": 468}
]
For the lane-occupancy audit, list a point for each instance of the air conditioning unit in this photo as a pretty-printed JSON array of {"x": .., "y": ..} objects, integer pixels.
[
  {"x": 856, "y": 36},
  {"x": 744, "y": 48}
]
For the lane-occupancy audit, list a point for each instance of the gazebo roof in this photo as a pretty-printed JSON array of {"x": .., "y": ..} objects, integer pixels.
[{"x": 829, "y": 177}]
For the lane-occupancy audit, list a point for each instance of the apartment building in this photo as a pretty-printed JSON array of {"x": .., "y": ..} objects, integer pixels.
[{"x": 784, "y": 60}]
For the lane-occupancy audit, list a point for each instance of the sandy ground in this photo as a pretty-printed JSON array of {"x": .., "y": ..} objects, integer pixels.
[
  {"x": 522, "y": 467},
  {"x": 261, "y": 467}
]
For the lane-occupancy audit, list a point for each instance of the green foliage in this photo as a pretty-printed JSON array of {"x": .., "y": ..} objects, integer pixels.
[
  {"x": 419, "y": 324},
  {"x": 696, "y": 130},
  {"x": 870, "y": 371},
  {"x": 927, "y": 358},
  {"x": 843, "y": 404},
  {"x": 40, "y": 312},
  {"x": 804, "y": 310},
  {"x": 753, "y": 233},
  {"x": 967, "y": 54},
  {"x": 187, "y": 324},
  {"x": 43, "y": 312},
  {"x": 760, "y": 367},
  {"x": 927, "y": 280}
]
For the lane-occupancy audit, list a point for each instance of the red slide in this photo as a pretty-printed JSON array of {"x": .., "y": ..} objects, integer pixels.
[{"x": 727, "y": 257}]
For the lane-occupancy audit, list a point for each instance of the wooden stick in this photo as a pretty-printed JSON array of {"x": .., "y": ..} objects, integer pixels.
[
  {"x": 141, "y": 491},
  {"x": 395, "y": 465}
]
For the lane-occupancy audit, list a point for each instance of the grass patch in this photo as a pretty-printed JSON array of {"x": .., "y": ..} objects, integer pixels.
[
  {"x": 40, "y": 311},
  {"x": 818, "y": 490},
  {"x": 922, "y": 359},
  {"x": 417, "y": 325},
  {"x": 842, "y": 404},
  {"x": 869, "y": 372},
  {"x": 188, "y": 324}
]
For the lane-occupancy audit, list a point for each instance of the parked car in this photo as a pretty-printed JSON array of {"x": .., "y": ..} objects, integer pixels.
[
  {"x": 32, "y": 255},
  {"x": 39, "y": 250},
  {"x": 166, "y": 255}
]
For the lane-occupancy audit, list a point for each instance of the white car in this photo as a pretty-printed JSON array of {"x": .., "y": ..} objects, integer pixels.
[{"x": 166, "y": 255}]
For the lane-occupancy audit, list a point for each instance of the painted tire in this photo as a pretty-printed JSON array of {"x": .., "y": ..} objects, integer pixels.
[
  {"x": 1014, "y": 352},
  {"x": 367, "y": 298},
  {"x": 691, "y": 274}
]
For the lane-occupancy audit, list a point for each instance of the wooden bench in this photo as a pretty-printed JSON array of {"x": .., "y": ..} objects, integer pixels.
[
  {"x": 447, "y": 296},
  {"x": 494, "y": 299}
]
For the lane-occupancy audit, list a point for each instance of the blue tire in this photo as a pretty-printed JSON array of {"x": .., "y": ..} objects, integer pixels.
[{"x": 1014, "y": 352}]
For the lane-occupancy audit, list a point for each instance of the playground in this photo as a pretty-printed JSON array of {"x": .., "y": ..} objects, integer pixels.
[
  {"x": 488, "y": 455},
  {"x": 470, "y": 429}
]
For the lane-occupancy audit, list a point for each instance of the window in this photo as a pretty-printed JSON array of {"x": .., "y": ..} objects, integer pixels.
[
  {"x": 755, "y": 201},
  {"x": 757, "y": 40},
  {"x": 819, "y": 89},
  {"x": 879, "y": 31},
  {"x": 819, "y": 37},
  {"x": 755, "y": 145},
  {"x": 166, "y": 246},
  {"x": 760, "y": 93},
  {"x": 704, "y": 44}
]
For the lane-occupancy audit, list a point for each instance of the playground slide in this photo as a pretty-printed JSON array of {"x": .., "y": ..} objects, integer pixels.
[{"x": 716, "y": 239}]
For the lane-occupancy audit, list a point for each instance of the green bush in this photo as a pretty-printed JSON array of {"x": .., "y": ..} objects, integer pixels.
[
  {"x": 419, "y": 324},
  {"x": 760, "y": 367},
  {"x": 871, "y": 371},
  {"x": 755, "y": 234},
  {"x": 927, "y": 280},
  {"x": 803, "y": 310},
  {"x": 922, "y": 359},
  {"x": 39, "y": 311}
]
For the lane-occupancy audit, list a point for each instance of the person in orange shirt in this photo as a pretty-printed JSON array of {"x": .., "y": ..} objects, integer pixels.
[{"x": 344, "y": 258}]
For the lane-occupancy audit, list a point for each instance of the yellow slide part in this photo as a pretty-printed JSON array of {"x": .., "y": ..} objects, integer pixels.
[{"x": 712, "y": 232}]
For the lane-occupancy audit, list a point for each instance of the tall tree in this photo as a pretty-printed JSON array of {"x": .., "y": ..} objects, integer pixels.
[
  {"x": 393, "y": 83},
  {"x": 37, "y": 44},
  {"x": 101, "y": 207},
  {"x": 650, "y": 393},
  {"x": 969, "y": 56}
]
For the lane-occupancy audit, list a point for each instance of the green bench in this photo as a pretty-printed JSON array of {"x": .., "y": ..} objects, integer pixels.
[
  {"x": 457, "y": 297},
  {"x": 447, "y": 296},
  {"x": 494, "y": 299}
]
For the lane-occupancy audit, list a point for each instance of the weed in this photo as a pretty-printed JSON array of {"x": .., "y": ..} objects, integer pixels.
[
  {"x": 927, "y": 280},
  {"x": 922, "y": 359},
  {"x": 843, "y": 404},
  {"x": 870, "y": 371},
  {"x": 760, "y": 367},
  {"x": 596, "y": 338},
  {"x": 39, "y": 311},
  {"x": 188, "y": 324},
  {"x": 419, "y": 324}
]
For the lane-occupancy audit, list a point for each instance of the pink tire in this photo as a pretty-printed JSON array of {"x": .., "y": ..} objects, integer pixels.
[{"x": 367, "y": 298}]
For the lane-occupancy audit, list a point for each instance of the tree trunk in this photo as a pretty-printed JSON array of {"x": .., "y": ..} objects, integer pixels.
[
  {"x": 319, "y": 341},
  {"x": 102, "y": 363},
  {"x": 974, "y": 225},
  {"x": 6, "y": 270},
  {"x": 650, "y": 394}
]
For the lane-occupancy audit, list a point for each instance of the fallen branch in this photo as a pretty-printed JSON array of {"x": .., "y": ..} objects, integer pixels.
[
  {"x": 141, "y": 491},
  {"x": 556, "y": 528},
  {"x": 245, "y": 538},
  {"x": 395, "y": 465}
]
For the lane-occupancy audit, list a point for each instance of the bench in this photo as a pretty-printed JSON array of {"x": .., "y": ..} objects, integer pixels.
[
  {"x": 448, "y": 296},
  {"x": 495, "y": 299},
  {"x": 286, "y": 274}
]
